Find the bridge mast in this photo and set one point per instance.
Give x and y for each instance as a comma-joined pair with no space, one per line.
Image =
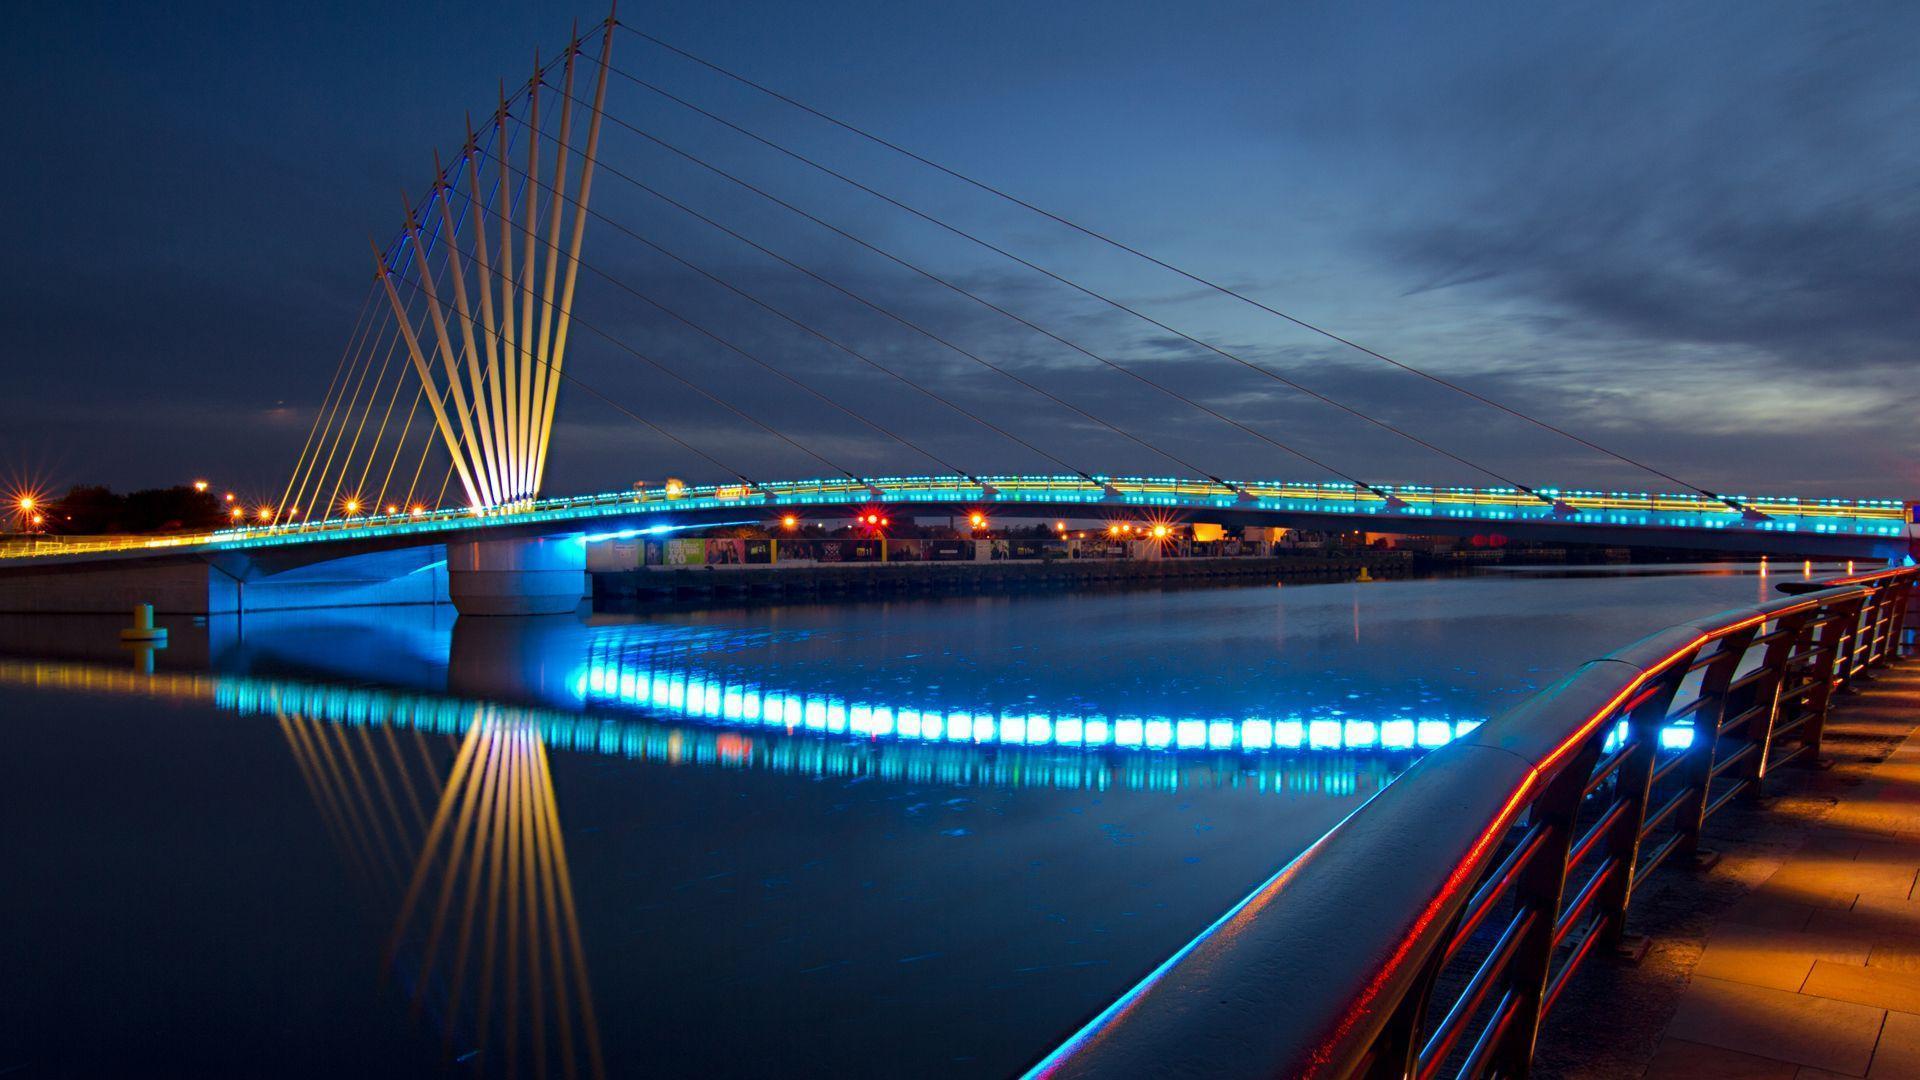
505,401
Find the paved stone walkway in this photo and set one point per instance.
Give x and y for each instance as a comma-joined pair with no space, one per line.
1798,958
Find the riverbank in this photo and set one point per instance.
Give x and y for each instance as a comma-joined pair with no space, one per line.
624,589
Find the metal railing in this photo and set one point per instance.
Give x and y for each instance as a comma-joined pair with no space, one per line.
1429,932
1875,518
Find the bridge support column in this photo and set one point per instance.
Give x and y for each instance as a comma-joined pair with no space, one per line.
545,575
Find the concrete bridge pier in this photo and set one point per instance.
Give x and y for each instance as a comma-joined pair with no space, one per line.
542,575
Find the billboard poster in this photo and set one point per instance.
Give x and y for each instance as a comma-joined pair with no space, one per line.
686,552
726,552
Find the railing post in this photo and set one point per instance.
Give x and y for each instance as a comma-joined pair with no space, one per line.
1633,783
1396,1053
1763,698
1867,645
1903,603
1540,889
1716,705
1858,643
1831,659
1890,601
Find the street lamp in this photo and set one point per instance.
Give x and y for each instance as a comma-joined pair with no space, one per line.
200,485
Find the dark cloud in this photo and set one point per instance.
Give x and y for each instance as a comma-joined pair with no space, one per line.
1686,232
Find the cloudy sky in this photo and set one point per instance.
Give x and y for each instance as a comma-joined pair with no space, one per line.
1685,231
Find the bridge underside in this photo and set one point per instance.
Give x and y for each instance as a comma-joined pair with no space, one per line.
225,584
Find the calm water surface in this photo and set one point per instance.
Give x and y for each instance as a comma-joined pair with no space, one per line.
840,839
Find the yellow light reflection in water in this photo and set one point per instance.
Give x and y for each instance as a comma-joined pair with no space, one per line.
493,860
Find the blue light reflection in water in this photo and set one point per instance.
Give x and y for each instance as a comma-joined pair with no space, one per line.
786,748
804,838
624,672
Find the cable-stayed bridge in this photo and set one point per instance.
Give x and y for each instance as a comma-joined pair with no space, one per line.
435,429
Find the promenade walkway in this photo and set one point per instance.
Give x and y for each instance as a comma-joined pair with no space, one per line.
1797,956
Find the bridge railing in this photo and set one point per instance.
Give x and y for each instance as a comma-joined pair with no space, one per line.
1430,931
1132,494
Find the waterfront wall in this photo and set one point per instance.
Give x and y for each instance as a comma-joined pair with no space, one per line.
617,589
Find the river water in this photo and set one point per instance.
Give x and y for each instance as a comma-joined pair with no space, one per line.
898,838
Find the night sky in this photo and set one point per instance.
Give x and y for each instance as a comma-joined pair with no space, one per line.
1686,231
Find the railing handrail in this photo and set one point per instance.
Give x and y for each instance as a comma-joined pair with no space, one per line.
1328,968
1869,517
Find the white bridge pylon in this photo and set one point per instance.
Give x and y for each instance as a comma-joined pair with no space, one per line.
503,404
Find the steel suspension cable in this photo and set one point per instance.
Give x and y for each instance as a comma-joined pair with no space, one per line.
682,443
345,417
297,484
1049,395
424,253
1259,369
372,396
399,446
339,367
1182,272
730,345
688,383
802,325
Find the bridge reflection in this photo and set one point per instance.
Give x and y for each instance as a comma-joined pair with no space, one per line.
485,939
441,803
800,747
677,694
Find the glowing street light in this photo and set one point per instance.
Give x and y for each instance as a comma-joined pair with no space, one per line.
789,521
266,513
977,519
1160,532
417,510
236,513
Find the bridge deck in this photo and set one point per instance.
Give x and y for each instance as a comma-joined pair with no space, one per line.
1847,526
